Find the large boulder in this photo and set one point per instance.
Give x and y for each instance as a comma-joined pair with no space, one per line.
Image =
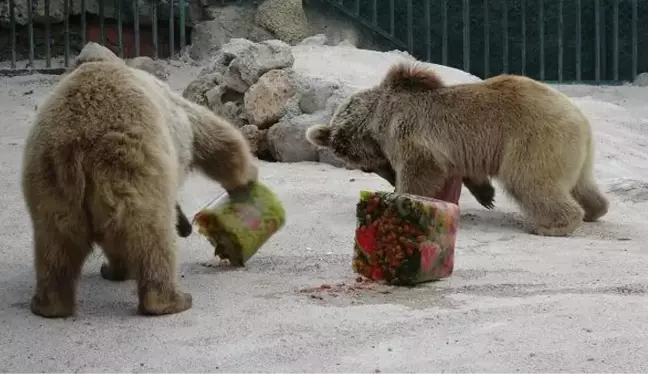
286,138
267,100
260,58
233,21
285,18
155,67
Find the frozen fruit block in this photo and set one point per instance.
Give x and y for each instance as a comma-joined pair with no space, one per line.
237,229
404,239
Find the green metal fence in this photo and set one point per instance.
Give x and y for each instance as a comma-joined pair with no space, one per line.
120,7
593,41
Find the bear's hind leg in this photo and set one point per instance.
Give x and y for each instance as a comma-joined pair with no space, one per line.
153,247
59,258
116,268
142,247
590,198
553,209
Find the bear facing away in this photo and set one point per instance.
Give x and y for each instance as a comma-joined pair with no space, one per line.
530,137
96,52
103,162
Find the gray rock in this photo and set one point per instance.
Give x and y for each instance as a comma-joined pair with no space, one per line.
196,90
258,139
319,39
285,18
266,100
641,80
234,21
206,37
260,58
326,156
316,95
225,55
238,20
211,92
155,67
287,139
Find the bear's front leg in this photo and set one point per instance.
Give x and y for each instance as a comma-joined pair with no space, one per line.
420,178
222,152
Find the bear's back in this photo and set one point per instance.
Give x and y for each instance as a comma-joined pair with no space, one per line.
96,99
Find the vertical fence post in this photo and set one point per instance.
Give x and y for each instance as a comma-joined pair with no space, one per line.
615,40
444,32
410,27
30,30
486,40
136,27
635,39
154,26
579,42
524,38
84,23
374,12
48,35
102,23
561,47
182,25
428,27
466,35
505,37
66,22
392,12
597,47
12,26
171,29
541,31
120,28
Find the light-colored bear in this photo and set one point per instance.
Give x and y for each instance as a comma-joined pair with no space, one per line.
530,137
103,163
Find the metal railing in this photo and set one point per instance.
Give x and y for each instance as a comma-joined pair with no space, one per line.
118,6
594,41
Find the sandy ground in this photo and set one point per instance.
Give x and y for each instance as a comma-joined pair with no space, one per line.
516,302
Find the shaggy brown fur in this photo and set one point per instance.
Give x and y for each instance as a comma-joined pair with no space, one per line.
103,162
96,52
529,136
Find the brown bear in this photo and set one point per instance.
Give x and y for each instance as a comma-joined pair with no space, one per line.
96,52
103,162
529,136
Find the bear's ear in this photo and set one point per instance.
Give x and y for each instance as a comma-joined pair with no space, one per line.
319,135
95,52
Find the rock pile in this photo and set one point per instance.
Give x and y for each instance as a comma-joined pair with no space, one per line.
254,86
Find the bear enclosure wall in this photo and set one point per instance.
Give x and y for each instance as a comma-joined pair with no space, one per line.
593,41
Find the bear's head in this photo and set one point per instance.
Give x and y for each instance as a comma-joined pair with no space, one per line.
350,134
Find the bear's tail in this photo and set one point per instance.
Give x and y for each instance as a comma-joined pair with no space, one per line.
586,192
